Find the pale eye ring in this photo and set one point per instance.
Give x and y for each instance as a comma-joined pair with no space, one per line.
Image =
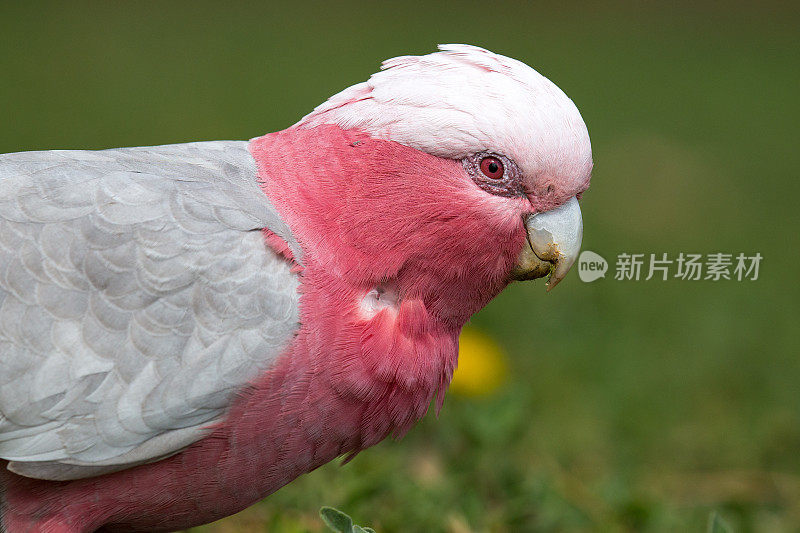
492,168
494,173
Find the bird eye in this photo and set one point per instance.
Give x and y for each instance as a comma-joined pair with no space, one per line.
492,168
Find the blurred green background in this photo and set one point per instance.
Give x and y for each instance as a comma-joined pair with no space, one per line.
628,406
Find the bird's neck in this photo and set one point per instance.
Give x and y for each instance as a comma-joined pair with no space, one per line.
399,249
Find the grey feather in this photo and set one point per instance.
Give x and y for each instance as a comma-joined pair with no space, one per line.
136,297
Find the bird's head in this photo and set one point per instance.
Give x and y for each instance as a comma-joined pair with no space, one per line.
443,177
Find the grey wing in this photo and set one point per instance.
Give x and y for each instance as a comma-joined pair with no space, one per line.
136,296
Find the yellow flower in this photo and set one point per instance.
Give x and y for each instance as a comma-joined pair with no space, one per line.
481,365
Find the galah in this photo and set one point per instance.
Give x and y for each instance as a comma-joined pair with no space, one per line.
184,329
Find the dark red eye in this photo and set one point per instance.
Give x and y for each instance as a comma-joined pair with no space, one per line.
492,168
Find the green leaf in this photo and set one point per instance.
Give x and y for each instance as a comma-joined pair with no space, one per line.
336,520
717,525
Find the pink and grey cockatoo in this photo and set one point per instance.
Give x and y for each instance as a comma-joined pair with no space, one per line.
185,329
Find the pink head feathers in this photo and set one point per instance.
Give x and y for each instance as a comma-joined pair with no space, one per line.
465,100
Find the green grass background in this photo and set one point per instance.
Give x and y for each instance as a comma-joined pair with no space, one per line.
631,406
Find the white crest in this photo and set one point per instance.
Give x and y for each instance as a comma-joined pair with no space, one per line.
463,100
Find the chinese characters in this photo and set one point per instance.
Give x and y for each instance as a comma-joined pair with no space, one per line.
687,266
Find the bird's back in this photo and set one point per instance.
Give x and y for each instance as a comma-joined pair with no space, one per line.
136,296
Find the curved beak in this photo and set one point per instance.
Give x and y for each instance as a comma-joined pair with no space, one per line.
554,240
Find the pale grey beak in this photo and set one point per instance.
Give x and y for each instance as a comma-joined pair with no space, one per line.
554,240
